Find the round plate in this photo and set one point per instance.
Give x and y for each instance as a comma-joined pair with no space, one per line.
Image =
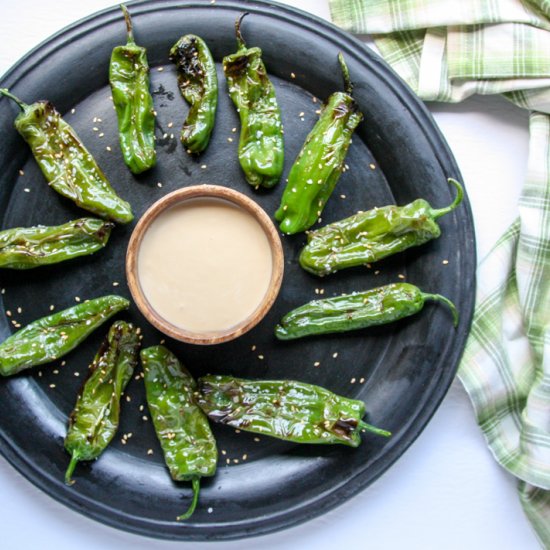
401,371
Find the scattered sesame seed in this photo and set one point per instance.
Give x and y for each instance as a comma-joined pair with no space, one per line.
445,262
253,348
237,431
401,276
77,374
257,439
145,418
377,272
21,173
233,130
8,313
170,124
155,113
164,136
115,283
230,140
260,357
361,380
342,196
245,456
372,166
302,113
210,510
108,148
171,136
316,291
292,75
335,354
52,307
73,111
56,371
101,134
316,364
52,386
77,298
19,310
236,460
27,190
95,129
149,451
159,184
228,461
3,291
352,381
203,166
224,452
160,69
123,441
128,398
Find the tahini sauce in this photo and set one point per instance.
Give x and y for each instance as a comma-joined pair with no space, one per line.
205,265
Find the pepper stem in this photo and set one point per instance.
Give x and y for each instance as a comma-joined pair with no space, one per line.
4,91
129,27
70,469
348,84
439,298
241,44
437,213
191,509
373,429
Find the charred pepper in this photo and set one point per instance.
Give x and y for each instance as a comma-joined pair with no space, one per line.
51,337
358,310
198,84
94,420
129,79
286,409
65,162
367,237
319,164
182,428
261,145
29,247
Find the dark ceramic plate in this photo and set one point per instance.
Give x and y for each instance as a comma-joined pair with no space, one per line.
401,371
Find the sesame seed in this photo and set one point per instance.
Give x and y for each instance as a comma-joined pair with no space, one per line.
159,184
160,69
108,148
95,129
230,140
302,113
27,190
77,298
123,441
401,276
73,111
292,75
101,134
170,124
52,386
149,451
377,272
52,307
361,380
236,460
21,173
342,196
352,381
77,374
210,510
228,461
203,166
335,354
155,113
260,357
257,439
115,283
245,456
224,452
145,418
316,364
253,348
445,262
372,166
233,130
8,313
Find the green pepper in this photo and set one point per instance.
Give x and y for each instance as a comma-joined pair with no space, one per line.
347,312
261,144
182,428
65,162
285,409
198,84
316,170
367,237
52,337
28,247
129,79
94,420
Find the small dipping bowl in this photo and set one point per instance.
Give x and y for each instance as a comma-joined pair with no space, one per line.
175,247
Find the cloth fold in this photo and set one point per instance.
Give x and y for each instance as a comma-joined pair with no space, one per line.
447,50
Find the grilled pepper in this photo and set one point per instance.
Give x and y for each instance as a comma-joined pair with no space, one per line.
261,145
94,420
378,306
367,237
289,410
198,84
65,162
182,428
52,337
28,247
317,168
129,79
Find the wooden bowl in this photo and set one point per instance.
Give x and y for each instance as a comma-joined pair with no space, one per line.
176,198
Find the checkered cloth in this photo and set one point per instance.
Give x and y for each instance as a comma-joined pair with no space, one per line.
447,50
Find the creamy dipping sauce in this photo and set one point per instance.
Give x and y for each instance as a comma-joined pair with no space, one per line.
204,265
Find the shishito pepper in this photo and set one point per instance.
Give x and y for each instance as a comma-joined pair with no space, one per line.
347,312
182,428
317,169
65,162
285,409
367,237
129,79
29,247
261,144
94,420
52,337
198,84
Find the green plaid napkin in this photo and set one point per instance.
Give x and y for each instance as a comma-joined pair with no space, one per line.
447,50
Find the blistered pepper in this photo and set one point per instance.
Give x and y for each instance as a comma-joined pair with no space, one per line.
67,165
52,337
316,170
182,428
261,144
198,84
94,420
129,79
285,409
29,247
358,310
367,237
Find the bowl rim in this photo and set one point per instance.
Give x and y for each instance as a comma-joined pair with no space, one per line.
180,196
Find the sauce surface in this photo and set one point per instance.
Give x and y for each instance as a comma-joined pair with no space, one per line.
204,265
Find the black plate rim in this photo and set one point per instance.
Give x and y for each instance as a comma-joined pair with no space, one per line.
351,46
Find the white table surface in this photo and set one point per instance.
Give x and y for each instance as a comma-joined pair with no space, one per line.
446,492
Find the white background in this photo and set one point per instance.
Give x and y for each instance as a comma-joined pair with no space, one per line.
446,492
